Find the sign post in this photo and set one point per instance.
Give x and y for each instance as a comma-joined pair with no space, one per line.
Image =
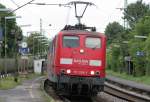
128,59
24,50
1,39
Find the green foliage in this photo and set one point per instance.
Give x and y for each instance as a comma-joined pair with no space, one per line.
35,44
139,61
114,60
8,83
141,64
147,51
143,79
136,11
113,30
2,13
138,17
108,58
143,26
13,32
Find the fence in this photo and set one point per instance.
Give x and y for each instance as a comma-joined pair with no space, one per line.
12,65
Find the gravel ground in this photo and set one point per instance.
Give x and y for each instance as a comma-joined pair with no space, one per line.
109,98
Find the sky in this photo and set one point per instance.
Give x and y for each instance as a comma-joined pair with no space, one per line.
99,16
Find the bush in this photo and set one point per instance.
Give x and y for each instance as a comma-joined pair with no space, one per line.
139,61
147,50
113,59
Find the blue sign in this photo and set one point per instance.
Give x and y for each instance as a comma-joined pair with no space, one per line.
24,50
1,34
140,53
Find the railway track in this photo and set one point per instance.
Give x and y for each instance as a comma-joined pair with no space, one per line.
51,92
126,91
58,98
111,87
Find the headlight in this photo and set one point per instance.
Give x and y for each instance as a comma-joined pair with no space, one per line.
92,72
68,71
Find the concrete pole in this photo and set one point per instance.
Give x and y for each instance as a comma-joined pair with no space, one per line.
125,7
5,45
40,34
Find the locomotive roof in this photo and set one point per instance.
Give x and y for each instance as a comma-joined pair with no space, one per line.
81,32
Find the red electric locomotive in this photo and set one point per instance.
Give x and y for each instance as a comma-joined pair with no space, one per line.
76,61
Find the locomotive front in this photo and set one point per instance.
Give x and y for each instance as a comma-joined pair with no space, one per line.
76,62
81,62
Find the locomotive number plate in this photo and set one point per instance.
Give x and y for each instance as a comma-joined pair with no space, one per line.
81,61
80,72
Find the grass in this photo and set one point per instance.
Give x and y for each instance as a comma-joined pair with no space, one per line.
9,83
143,79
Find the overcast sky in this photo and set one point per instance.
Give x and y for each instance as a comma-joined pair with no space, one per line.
105,12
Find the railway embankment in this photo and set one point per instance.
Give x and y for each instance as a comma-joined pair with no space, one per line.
128,83
138,79
126,89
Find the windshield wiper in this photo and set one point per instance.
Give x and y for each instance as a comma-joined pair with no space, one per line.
68,46
96,46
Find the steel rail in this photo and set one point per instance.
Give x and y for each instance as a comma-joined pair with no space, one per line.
124,93
117,91
46,86
130,84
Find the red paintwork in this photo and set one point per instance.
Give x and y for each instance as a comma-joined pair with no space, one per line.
76,68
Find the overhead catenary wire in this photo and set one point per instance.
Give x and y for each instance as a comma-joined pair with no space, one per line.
21,6
48,4
111,14
14,3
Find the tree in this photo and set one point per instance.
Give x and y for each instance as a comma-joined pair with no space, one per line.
147,52
136,11
138,17
115,55
113,31
37,43
142,28
13,31
137,45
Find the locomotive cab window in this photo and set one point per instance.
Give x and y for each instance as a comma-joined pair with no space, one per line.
92,42
70,41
